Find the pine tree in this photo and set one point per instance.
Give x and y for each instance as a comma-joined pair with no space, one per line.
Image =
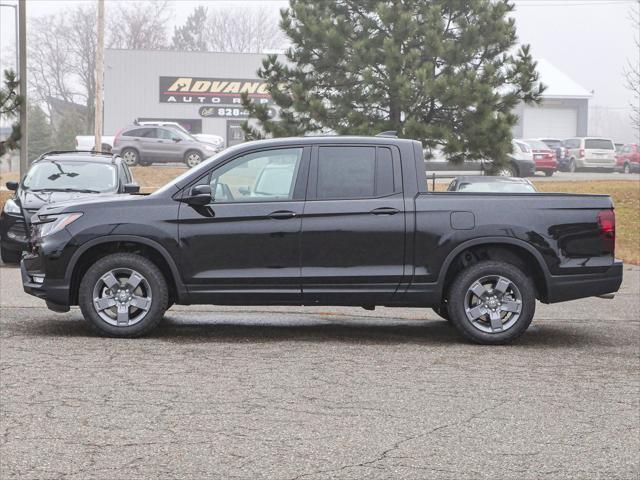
10,102
192,35
39,139
445,72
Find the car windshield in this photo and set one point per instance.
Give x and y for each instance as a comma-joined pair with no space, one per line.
496,187
72,177
553,143
598,143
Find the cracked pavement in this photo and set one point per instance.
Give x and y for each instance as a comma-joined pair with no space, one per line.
319,393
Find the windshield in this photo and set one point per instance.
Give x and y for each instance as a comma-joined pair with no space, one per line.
598,143
71,176
553,143
496,187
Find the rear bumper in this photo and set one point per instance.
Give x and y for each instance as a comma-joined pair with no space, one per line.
571,287
590,163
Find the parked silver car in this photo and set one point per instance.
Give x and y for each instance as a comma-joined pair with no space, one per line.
590,152
143,145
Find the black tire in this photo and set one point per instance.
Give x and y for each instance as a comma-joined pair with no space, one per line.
192,158
460,289
10,257
549,173
573,168
152,275
130,156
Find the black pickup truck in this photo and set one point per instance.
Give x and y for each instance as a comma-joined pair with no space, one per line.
322,221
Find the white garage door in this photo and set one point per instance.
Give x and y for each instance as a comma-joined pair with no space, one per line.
549,122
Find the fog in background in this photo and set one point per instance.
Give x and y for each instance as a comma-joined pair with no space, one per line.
589,40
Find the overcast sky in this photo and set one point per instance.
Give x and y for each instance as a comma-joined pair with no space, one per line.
590,40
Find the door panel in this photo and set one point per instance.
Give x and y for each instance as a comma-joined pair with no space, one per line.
353,248
244,247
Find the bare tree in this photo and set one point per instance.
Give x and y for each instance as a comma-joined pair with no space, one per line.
50,73
140,25
632,72
241,30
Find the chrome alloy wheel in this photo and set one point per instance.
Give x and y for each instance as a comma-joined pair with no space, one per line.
130,158
193,159
122,297
493,304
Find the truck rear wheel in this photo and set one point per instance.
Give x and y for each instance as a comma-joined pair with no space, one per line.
491,302
123,295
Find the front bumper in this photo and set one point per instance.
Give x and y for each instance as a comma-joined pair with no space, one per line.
35,282
571,287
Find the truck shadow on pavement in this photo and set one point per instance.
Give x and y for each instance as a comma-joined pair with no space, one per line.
347,331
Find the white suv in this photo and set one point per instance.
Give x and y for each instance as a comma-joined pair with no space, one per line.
590,152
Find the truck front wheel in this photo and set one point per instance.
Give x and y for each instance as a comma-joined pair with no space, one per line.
491,302
123,295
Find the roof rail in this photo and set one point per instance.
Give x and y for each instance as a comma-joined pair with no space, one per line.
58,152
388,133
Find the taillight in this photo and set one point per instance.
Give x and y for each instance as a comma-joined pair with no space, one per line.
607,226
117,137
582,153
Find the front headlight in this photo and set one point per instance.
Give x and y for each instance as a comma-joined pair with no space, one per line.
50,224
10,206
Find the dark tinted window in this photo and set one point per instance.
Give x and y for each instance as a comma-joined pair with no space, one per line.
346,172
598,143
384,173
138,132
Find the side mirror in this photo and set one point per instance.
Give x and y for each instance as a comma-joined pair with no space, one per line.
176,139
131,188
245,190
13,186
199,195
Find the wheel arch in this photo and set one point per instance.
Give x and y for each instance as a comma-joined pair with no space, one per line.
511,250
97,248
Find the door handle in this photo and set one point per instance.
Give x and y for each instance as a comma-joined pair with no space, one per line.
384,211
282,214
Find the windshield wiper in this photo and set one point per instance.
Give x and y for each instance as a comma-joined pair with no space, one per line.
78,190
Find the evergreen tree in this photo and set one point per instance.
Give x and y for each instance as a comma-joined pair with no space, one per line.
192,35
39,139
10,102
445,72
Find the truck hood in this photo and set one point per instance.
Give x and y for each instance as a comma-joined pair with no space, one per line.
33,201
94,201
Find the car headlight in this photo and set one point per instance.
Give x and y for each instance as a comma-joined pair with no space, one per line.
10,206
50,224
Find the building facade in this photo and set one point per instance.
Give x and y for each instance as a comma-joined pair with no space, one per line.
200,90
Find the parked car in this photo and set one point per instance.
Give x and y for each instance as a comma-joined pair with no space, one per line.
628,160
522,163
558,147
543,156
58,177
87,143
352,222
145,145
487,184
215,140
590,152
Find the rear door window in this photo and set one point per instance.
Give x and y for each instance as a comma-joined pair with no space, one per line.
138,132
598,143
348,172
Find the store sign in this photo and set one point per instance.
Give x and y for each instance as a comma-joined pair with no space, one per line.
211,90
227,111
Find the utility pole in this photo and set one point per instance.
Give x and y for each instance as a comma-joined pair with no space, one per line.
99,71
24,159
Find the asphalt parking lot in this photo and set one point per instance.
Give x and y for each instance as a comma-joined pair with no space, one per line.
320,393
